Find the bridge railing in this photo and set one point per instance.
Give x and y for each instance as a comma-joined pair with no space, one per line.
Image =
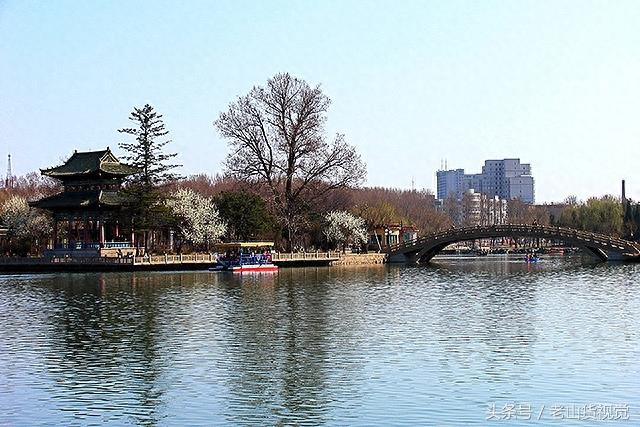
558,233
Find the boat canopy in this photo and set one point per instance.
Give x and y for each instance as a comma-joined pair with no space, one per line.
250,245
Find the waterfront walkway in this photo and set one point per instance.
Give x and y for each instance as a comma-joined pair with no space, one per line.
196,261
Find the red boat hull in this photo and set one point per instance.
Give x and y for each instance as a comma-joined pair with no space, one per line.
254,268
246,268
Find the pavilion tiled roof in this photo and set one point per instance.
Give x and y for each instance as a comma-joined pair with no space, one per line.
91,162
80,200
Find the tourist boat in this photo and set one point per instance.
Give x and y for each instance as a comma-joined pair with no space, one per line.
480,252
244,257
555,250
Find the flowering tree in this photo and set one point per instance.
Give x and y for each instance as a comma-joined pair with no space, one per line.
344,228
26,227
198,220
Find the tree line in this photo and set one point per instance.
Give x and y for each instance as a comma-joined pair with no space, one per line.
283,179
605,215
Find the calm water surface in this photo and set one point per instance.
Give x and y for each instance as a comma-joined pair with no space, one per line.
435,345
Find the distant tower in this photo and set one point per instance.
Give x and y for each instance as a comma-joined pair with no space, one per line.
8,181
624,194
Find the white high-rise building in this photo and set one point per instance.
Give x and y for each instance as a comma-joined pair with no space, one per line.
507,179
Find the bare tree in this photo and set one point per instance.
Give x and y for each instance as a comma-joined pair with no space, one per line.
452,207
381,206
277,139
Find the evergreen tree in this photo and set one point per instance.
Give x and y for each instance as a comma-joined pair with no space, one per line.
146,205
146,152
246,214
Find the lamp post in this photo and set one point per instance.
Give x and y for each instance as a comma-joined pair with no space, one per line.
386,237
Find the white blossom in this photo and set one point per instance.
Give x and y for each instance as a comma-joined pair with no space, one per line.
23,222
199,220
344,228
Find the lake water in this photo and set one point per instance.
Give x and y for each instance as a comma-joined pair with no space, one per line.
461,342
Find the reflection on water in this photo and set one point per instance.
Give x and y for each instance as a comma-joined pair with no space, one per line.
360,345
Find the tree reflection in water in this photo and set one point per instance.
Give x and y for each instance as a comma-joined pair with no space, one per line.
316,345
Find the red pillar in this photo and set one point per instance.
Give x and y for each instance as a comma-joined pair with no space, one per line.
101,233
55,233
85,231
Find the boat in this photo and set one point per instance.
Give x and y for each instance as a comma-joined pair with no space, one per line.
556,250
245,257
480,252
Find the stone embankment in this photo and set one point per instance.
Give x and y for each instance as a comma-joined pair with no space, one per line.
360,259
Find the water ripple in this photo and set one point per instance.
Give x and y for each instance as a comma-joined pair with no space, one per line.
369,346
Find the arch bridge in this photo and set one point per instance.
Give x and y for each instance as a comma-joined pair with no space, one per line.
601,246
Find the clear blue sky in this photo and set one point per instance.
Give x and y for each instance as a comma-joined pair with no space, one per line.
556,83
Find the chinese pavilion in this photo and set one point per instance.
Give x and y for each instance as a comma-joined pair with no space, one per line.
87,214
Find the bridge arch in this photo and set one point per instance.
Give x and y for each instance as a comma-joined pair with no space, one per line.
601,246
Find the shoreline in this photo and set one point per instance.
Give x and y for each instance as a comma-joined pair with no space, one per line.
199,263
40,265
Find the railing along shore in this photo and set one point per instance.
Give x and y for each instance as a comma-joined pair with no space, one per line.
197,258
66,260
176,259
292,256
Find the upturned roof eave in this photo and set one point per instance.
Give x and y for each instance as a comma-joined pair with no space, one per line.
91,162
128,170
95,199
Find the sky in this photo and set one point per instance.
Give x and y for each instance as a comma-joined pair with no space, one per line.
554,83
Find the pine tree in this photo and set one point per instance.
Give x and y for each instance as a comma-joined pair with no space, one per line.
146,152
245,214
146,204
